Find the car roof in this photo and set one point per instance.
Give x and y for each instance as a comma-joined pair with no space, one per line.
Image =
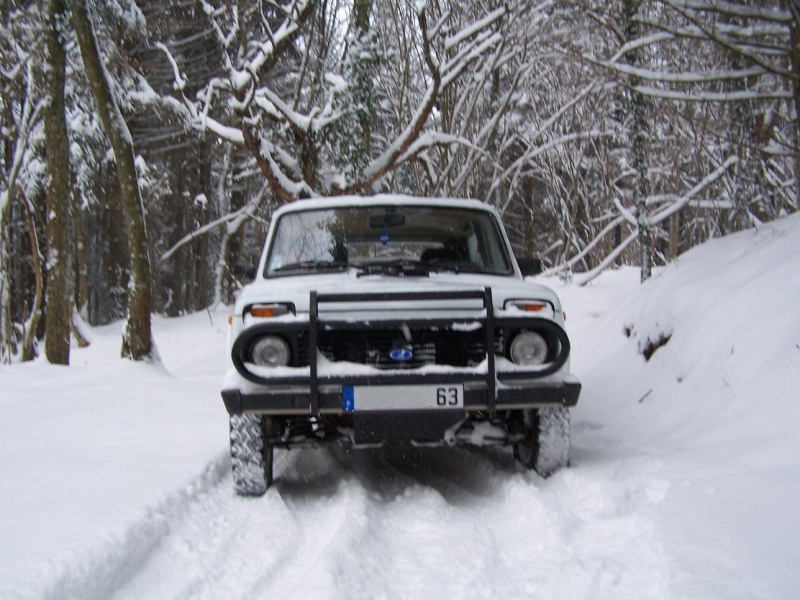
381,200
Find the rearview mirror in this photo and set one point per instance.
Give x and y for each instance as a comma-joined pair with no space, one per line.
387,220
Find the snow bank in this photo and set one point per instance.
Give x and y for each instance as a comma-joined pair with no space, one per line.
87,450
716,405
727,316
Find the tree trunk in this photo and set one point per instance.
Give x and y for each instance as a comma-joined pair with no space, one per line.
59,301
81,268
795,82
637,131
32,323
675,235
742,135
137,343
363,9
8,336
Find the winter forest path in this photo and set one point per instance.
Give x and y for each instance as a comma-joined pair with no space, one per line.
419,523
397,523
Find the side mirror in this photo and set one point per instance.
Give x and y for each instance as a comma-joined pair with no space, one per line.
530,266
247,272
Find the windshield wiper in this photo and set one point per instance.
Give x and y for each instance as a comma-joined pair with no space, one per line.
401,267
453,267
313,265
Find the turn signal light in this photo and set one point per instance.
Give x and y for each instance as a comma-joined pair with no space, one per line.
533,307
268,311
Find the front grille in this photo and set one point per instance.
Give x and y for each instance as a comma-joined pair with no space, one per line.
374,347
301,349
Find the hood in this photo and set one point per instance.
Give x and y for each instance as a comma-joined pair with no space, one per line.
297,289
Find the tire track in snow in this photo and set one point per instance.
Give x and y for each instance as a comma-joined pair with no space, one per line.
410,524
98,573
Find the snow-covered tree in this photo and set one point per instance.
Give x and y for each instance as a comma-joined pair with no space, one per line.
21,179
286,128
591,125
711,132
137,340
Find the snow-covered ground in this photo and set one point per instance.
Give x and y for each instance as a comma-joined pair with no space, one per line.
685,477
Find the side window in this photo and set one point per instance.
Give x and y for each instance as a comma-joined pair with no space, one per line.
489,248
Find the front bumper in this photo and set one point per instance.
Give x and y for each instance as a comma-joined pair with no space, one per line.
297,399
314,391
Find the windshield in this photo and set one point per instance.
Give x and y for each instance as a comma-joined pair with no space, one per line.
403,240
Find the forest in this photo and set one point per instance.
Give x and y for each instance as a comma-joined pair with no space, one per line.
145,144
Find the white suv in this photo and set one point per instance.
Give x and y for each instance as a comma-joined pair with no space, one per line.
394,319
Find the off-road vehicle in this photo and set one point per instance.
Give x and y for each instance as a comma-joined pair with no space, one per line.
394,319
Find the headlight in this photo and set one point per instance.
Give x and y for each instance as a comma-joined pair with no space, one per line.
270,351
529,348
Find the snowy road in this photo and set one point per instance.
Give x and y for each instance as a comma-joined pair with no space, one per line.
417,523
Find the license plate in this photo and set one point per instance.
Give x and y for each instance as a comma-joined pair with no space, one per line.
402,397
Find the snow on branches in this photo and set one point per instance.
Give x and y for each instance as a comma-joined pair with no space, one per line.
295,87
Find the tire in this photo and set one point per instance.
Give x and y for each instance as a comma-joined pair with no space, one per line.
251,456
545,443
